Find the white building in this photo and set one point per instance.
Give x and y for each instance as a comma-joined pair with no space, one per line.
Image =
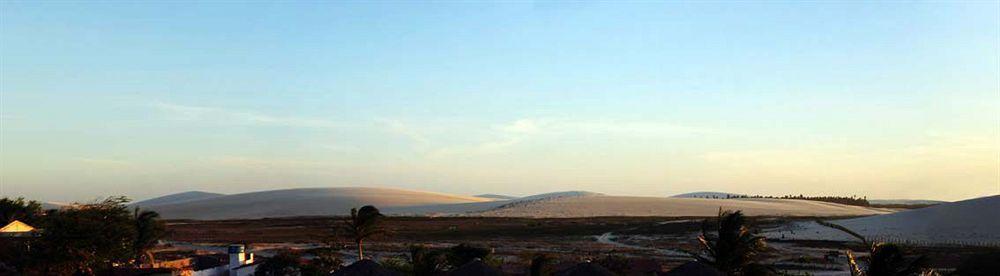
241,263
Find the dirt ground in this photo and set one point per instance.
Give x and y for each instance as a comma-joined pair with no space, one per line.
649,243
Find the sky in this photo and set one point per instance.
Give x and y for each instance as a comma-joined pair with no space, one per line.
889,100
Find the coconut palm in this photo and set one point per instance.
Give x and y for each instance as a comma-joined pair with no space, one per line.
733,247
148,229
885,259
363,224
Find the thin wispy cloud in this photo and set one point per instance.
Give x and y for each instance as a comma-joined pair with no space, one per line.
239,117
407,130
505,136
104,162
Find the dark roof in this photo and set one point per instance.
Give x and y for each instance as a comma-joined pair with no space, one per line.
202,262
585,269
694,268
475,268
364,268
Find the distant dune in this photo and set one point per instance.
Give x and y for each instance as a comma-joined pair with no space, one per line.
177,198
306,202
600,205
973,220
339,201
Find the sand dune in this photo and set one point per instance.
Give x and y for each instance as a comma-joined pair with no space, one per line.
589,206
339,201
306,202
177,198
971,221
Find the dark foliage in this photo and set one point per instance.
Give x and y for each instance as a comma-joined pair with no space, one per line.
326,261
614,262
19,209
427,261
87,239
149,230
282,264
884,259
541,265
732,247
463,253
983,264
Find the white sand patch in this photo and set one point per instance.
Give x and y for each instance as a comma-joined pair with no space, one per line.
972,222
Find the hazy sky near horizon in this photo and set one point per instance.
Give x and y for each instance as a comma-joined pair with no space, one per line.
892,100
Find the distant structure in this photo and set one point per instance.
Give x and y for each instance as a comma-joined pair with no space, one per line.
17,229
240,261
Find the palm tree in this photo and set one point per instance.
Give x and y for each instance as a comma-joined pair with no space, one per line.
885,259
734,246
363,224
148,230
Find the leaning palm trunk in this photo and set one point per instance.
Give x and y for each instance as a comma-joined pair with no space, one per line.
361,250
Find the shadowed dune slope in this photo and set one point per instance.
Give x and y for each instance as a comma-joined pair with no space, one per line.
305,202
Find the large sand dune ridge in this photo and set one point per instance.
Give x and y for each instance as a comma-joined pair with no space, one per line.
594,206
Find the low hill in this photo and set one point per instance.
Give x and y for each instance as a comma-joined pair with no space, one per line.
177,198
967,221
306,202
602,205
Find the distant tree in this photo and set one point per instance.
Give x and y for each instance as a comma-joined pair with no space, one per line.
733,247
885,259
363,224
149,230
285,263
19,209
87,239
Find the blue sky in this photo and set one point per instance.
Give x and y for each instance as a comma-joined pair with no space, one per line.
142,99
